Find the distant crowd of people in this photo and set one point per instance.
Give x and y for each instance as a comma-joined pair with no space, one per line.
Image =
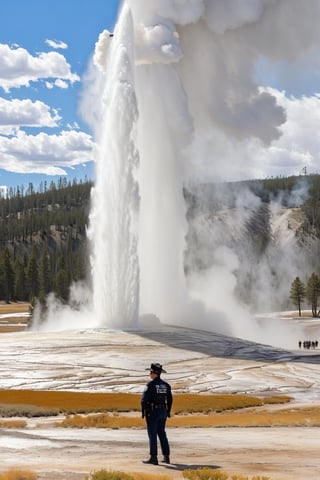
309,344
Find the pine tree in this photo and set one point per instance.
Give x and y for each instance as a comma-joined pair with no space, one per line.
6,275
297,293
313,292
19,281
61,280
33,275
44,275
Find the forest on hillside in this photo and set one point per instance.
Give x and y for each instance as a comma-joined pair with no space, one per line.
43,240
43,243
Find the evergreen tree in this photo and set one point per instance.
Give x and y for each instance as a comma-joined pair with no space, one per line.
33,275
313,292
6,275
44,275
19,281
297,293
61,280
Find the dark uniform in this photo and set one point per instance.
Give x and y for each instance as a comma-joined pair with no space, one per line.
156,406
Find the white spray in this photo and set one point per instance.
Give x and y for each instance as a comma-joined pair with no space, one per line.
115,200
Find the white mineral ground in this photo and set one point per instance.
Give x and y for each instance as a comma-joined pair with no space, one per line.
109,361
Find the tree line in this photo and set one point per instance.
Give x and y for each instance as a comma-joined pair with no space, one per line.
43,242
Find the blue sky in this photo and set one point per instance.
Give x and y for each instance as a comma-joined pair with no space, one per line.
45,49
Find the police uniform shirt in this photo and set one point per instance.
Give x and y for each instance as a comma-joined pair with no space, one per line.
157,392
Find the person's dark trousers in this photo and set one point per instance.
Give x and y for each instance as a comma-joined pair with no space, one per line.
156,423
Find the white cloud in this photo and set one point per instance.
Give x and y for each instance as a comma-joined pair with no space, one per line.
15,113
18,67
73,126
299,145
56,44
42,153
61,83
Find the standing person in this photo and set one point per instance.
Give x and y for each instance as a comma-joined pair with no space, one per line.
156,403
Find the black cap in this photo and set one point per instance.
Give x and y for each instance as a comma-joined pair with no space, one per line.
156,368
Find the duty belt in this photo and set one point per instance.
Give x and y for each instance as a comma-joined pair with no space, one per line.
157,405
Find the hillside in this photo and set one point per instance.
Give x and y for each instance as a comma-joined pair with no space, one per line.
261,235
271,227
43,240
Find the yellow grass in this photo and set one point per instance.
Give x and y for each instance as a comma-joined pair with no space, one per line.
118,475
219,403
122,410
149,476
15,474
6,308
25,401
60,401
308,417
253,418
204,473
210,474
13,423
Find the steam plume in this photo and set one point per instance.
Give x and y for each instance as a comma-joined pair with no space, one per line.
181,106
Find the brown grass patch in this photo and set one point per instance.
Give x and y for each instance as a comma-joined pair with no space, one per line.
210,474
16,323
104,474
15,474
13,328
149,476
59,401
219,403
13,423
101,420
6,308
48,402
298,417
198,474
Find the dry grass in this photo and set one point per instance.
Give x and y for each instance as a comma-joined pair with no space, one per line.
15,474
44,402
198,474
119,410
17,323
307,417
118,475
54,402
149,476
6,308
298,417
209,474
13,423
218,403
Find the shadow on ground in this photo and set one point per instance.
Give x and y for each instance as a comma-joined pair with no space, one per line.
185,466
223,346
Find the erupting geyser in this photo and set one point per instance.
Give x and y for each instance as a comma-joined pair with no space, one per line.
115,204
175,100
179,89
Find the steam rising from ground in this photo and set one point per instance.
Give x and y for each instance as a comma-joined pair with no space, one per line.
176,96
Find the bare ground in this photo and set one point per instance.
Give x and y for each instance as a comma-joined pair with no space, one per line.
196,361
279,453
